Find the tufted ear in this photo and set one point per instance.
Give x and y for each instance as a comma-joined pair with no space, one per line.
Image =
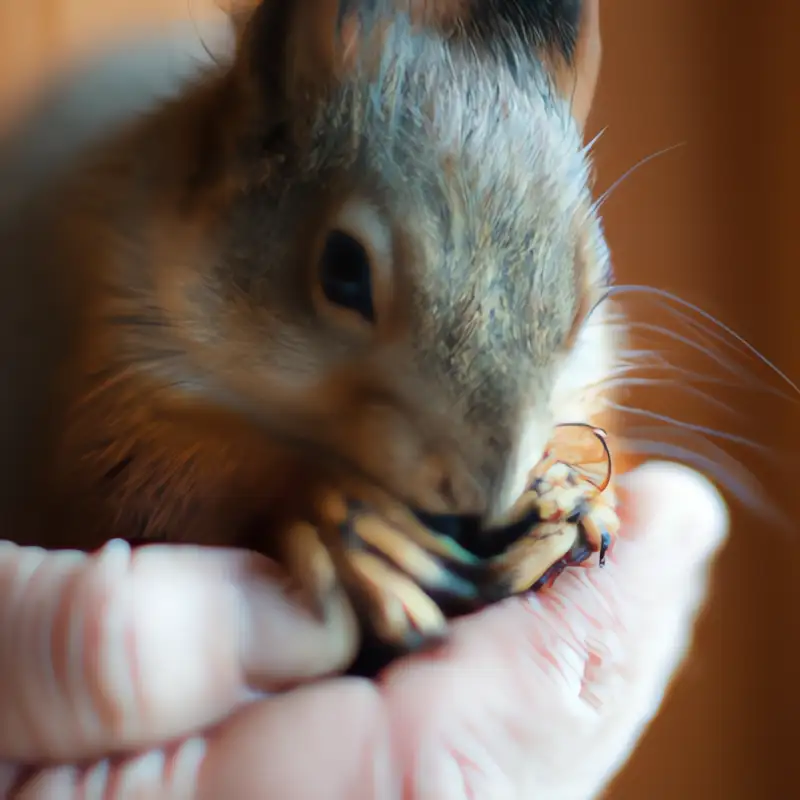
565,34
578,76
548,24
294,48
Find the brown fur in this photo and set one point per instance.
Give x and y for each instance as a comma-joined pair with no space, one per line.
185,376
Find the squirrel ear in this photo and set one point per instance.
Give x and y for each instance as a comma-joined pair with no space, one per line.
550,25
577,75
564,33
293,48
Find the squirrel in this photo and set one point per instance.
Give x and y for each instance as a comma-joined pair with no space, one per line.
360,250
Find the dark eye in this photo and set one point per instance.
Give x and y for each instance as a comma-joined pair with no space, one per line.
345,274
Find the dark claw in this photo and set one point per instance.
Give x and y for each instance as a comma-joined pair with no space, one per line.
579,553
468,586
550,575
605,543
460,590
464,588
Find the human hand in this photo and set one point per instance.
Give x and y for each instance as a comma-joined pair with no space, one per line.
541,696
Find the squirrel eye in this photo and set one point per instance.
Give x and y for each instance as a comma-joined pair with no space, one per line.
345,274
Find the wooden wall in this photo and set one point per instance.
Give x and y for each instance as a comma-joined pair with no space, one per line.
716,221
38,36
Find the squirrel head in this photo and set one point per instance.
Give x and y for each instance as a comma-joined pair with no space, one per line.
399,253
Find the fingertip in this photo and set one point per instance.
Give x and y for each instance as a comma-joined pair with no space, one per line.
674,522
327,740
671,502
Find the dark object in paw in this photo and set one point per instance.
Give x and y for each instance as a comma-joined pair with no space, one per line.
467,531
375,655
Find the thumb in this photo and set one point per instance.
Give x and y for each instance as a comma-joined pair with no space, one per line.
127,649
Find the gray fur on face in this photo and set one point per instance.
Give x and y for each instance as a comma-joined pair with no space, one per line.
477,163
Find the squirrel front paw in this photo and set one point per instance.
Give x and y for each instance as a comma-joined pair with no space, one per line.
577,521
404,579
571,493
407,574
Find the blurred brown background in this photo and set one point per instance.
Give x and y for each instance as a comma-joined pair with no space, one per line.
715,221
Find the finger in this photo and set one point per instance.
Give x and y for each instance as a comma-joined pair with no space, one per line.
345,751
328,741
544,696
125,649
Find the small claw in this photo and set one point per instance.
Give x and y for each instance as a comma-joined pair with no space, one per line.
579,554
605,545
408,556
402,613
592,527
549,577
308,562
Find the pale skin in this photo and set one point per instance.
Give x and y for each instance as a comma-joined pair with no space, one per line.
148,669
540,696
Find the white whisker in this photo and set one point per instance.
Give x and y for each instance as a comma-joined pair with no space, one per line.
627,174
624,383
688,426
750,349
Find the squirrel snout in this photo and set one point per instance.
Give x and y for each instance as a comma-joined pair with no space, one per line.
446,479
485,484
453,487
467,472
